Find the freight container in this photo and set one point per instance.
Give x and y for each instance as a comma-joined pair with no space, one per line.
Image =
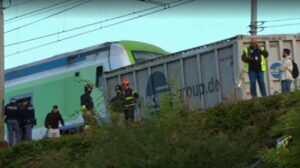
205,75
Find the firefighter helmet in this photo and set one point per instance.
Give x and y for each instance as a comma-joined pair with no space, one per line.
118,88
88,86
124,82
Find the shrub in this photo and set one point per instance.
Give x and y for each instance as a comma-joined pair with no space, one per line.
229,135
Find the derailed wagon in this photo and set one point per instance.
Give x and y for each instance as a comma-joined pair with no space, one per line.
205,75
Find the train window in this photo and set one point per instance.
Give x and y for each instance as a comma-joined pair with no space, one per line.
77,74
21,98
99,79
141,56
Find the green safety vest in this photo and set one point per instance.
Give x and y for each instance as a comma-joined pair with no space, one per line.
283,142
263,61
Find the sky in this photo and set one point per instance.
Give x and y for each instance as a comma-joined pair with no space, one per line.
193,24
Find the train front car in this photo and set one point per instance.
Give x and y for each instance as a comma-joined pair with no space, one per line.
60,80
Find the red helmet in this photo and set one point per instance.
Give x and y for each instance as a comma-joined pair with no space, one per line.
124,82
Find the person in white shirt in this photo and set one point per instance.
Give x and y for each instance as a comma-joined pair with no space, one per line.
286,71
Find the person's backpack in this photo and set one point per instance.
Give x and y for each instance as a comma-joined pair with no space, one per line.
295,71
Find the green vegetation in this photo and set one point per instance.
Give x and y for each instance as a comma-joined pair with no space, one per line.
230,135
288,125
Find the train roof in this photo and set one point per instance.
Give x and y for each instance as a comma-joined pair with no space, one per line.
76,57
268,37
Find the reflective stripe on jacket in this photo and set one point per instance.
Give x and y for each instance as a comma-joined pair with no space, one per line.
130,98
263,61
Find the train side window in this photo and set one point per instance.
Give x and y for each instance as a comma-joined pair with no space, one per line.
99,79
141,56
20,98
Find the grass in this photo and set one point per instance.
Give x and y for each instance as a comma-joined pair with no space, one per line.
230,135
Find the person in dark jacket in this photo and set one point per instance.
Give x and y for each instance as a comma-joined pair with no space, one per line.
12,119
87,106
255,63
28,120
52,122
130,99
116,104
86,99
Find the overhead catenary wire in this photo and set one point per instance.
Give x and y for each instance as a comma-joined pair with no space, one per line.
49,16
282,25
22,3
153,2
102,27
263,22
42,12
87,25
278,20
36,11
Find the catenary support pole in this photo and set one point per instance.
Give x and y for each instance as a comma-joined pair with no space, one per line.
253,24
1,74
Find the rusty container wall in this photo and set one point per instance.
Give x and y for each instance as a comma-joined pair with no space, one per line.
204,76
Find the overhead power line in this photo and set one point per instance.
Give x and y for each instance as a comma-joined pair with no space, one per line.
36,21
278,20
43,11
282,25
261,26
35,11
84,26
153,2
102,27
22,3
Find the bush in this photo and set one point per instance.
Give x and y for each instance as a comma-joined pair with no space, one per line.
229,135
288,125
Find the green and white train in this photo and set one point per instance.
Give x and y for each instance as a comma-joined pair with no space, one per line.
60,80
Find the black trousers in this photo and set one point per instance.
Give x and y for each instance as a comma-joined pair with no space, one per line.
129,114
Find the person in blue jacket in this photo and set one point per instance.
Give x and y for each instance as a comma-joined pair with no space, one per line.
28,120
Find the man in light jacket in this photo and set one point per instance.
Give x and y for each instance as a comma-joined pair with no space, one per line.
286,71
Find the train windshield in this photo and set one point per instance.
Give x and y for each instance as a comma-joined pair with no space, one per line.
141,56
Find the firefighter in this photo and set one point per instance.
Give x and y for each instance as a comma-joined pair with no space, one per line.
87,106
117,103
130,99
